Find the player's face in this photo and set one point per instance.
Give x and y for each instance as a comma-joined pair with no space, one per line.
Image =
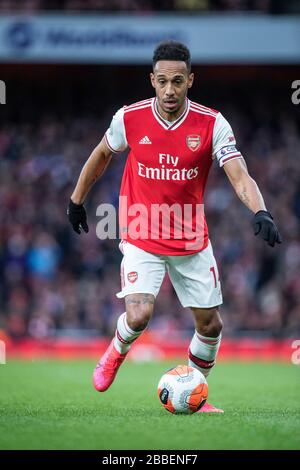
171,80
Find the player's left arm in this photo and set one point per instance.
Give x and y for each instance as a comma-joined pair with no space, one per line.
249,193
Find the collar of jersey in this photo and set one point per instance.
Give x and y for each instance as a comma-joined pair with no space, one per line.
174,124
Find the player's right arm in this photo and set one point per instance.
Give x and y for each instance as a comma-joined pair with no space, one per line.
114,141
91,171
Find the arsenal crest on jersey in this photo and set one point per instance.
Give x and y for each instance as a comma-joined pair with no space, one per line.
132,276
193,142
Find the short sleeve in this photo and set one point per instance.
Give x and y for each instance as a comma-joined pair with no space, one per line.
224,144
115,135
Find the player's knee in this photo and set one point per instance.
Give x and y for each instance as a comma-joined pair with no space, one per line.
139,311
213,328
138,318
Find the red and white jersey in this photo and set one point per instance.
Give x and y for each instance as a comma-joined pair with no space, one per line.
167,167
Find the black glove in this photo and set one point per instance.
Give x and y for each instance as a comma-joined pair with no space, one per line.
77,217
264,226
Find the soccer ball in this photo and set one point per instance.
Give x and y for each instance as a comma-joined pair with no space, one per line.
183,390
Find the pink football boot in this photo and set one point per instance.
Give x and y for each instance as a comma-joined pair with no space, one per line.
207,408
107,368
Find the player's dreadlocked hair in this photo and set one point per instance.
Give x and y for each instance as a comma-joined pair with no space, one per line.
172,50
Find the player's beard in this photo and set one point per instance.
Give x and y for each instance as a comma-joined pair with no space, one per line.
171,106
175,106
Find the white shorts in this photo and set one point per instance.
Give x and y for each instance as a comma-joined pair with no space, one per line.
195,277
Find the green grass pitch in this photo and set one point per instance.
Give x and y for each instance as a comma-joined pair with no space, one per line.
52,405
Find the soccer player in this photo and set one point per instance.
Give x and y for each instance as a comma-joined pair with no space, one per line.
173,142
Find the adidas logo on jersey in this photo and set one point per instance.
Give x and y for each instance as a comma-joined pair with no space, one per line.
145,140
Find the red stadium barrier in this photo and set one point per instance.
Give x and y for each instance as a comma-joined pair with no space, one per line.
150,346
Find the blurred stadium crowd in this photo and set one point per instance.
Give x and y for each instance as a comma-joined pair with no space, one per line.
54,282
262,6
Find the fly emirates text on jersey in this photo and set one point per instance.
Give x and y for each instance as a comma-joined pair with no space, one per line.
170,173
